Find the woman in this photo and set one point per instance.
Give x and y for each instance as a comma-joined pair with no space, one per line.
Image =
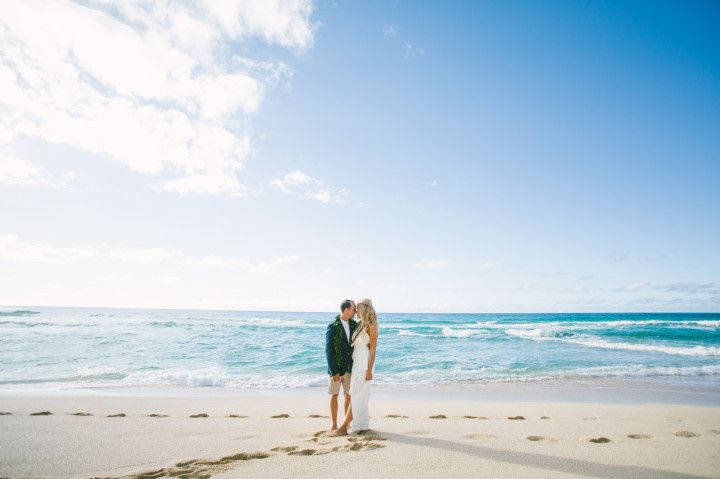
364,342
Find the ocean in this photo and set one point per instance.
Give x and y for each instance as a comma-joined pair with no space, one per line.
85,349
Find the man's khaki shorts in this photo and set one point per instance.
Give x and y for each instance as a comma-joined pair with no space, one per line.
334,387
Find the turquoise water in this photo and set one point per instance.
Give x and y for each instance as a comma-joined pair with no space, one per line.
77,348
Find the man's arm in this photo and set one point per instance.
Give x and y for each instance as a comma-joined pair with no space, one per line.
332,365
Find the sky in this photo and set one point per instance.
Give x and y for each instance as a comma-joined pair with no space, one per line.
558,156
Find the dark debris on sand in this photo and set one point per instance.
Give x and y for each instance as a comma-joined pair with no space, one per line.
599,440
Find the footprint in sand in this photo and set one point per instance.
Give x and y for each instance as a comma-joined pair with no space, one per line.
200,414
516,418
536,438
474,417
686,434
82,414
236,416
157,415
281,416
481,437
368,436
599,440
396,416
41,413
200,467
303,452
284,448
317,416
3,413
639,436
544,417
589,419
715,431
120,414
439,416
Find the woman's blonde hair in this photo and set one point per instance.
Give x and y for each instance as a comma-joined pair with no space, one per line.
367,312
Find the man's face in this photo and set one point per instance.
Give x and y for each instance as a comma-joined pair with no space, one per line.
350,312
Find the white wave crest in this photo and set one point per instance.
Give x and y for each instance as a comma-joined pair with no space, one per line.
96,371
217,377
679,350
461,333
593,342
407,332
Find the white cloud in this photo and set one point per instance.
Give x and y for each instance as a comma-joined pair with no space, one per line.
432,183
149,85
14,171
632,287
144,256
13,249
490,264
432,264
288,182
390,30
262,266
305,186
412,51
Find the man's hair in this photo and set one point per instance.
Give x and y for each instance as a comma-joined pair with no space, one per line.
347,304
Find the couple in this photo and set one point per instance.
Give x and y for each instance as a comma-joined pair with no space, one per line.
350,349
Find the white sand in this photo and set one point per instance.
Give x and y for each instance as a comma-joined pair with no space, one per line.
64,445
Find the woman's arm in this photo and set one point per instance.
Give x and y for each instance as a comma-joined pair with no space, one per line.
373,333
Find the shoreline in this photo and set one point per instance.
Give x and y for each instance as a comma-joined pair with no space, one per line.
701,391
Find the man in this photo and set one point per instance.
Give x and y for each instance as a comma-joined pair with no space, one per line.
339,356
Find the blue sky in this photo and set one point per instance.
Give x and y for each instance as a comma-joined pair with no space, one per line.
467,156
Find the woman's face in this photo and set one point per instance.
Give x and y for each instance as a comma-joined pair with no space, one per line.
359,311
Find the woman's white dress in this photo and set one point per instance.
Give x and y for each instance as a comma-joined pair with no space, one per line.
359,387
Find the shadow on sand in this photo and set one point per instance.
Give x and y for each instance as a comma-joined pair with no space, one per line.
540,461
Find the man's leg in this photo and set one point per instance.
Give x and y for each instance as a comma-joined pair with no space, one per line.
346,404
334,409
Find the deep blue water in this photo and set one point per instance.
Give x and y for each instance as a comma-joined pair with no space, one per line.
70,348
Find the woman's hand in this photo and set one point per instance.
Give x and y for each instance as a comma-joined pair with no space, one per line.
368,375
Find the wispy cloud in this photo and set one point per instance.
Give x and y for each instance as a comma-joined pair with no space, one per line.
632,287
692,288
16,250
144,256
14,171
13,249
412,51
390,30
432,264
304,186
148,85
261,266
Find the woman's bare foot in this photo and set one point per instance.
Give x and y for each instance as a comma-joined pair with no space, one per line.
342,431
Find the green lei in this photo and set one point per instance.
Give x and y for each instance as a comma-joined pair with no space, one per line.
338,339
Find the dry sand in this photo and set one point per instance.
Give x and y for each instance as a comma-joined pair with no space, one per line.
101,436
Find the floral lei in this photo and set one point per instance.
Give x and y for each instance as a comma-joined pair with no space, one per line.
337,342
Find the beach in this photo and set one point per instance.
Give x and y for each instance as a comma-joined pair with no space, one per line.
100,392
134,435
